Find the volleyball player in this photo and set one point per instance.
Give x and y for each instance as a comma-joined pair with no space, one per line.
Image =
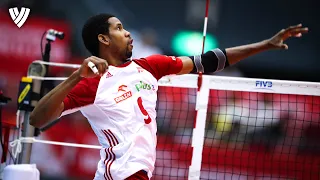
120,100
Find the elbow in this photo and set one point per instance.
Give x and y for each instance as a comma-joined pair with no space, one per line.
33,120
41,119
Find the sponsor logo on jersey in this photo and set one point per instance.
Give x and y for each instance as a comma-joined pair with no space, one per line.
123,97
109,75
144,86
140,69
123,88
127,94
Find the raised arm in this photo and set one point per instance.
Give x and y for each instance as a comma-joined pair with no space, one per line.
50,107
217,59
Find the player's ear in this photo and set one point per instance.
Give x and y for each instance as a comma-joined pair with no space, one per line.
104,39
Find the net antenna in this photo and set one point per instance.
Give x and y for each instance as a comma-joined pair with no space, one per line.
201,113
204,40
205,25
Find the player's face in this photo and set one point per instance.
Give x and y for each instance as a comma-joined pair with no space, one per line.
120,39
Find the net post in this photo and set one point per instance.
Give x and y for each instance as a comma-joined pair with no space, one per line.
27,131
26,103
199,130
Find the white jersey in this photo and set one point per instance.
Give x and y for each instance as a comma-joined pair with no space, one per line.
120,107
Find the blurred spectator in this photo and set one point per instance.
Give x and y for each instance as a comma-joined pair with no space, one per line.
240,119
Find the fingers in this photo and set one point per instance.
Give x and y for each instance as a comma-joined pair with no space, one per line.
101,65
296,30
301,31
297,35
284,34
284,46
294,27
97,65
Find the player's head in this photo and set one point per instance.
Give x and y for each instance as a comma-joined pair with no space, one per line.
105,32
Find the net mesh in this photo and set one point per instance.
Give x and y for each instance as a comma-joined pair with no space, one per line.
253,135
175,120
248,135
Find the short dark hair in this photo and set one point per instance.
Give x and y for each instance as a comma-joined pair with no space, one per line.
94,26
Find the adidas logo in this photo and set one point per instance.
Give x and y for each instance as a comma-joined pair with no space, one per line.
19,18
109,75
140,69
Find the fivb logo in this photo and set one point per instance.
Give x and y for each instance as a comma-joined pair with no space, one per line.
19,18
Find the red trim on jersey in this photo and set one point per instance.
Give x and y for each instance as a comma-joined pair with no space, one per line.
123,65
109,165
160,65
107,155
108,138
109,162
113,136
112,140
84,93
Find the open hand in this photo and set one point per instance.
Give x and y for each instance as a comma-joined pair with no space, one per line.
277,41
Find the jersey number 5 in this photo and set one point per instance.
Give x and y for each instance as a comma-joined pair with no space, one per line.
146,116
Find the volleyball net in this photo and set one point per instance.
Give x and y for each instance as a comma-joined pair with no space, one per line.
243,129
232,128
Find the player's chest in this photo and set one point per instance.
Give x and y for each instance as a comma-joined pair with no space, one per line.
119,85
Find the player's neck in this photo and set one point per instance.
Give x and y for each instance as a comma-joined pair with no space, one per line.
112,60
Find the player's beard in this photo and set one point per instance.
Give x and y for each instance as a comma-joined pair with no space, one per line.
128,53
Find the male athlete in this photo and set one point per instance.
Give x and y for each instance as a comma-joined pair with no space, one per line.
120,100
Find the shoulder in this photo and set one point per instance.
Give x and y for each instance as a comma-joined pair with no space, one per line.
160,65
158,58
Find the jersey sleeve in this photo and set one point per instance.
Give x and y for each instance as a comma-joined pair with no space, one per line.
80,96
161,65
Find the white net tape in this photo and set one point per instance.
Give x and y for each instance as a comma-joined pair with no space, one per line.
48,78
58,64
17,144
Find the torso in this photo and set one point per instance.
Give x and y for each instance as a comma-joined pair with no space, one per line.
123,116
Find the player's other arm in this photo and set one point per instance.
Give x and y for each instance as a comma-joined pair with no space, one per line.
217,59
50,107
